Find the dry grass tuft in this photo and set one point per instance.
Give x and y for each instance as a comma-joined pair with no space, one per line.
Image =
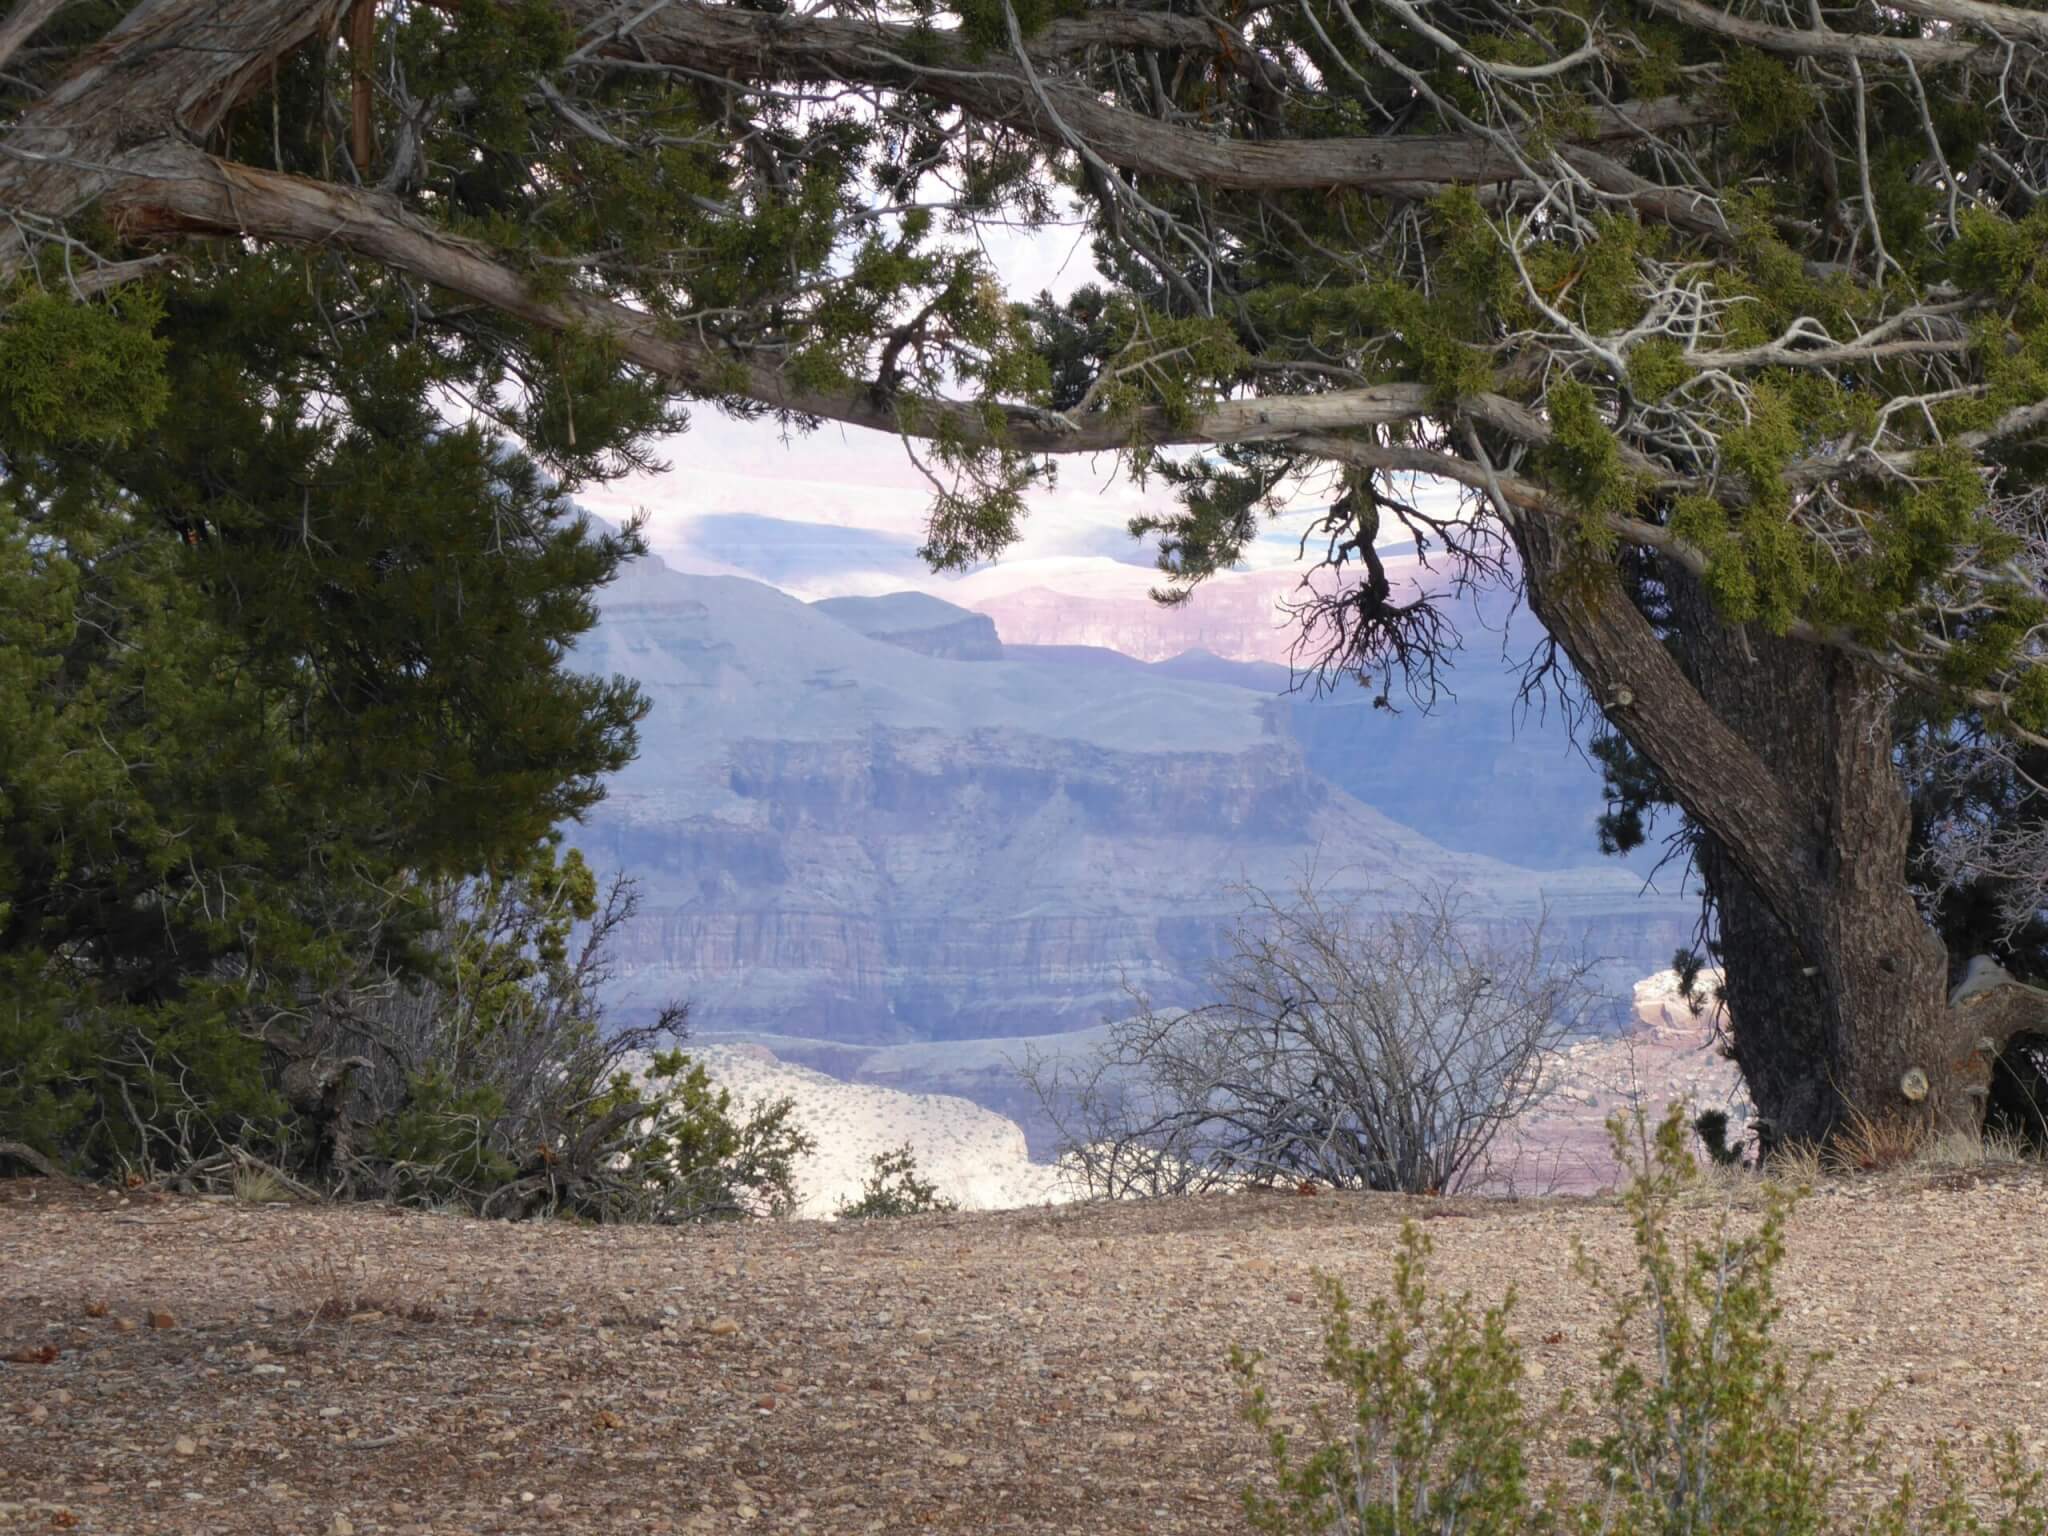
1864,1145
1796,1165
258,1186
1972,1149
1719,1183
328,1290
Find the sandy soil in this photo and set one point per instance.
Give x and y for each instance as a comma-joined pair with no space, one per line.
200,1366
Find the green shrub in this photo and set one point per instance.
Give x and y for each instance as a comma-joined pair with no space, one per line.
1709,1426
1712,1427
480,1074
498,1084
1436,1441
893,1188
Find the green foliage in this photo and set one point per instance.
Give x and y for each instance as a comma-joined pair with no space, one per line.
894,1188
1998,256
1656,367
439,1146
1583,460
1711,1126
1767,100
1721,1430
986,22
490,52
494,1084
1634,793
85,372
279,650
1221,498
1710,1427
705,1156
1435,1441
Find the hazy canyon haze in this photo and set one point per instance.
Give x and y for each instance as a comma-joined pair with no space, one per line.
897,822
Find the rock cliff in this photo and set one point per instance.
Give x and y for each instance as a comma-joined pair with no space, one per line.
919,623
857,836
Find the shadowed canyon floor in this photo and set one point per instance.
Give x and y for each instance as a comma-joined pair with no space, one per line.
191,1366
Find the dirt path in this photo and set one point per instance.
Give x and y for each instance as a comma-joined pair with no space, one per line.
1043,1371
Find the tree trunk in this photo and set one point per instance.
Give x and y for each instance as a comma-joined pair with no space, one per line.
1834,1011
1782,752
1766,975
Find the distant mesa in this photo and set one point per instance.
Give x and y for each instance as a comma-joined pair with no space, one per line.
976,1157
919,622
846,830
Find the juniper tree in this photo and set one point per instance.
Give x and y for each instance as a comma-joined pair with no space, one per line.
1729,323
278,647
283,644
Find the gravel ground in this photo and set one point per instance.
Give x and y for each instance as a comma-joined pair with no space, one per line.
181,1365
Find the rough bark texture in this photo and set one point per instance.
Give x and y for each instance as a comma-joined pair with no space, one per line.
171,70
1837,989
997,89
1767,976
1834,1009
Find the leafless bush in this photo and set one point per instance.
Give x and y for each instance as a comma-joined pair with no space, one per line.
1382,1053
498,1016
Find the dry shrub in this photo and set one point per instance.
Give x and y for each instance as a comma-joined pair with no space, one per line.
1796,1165
1865,1145
324,1289
1348,1047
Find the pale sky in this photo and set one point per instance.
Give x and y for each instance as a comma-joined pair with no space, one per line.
867,502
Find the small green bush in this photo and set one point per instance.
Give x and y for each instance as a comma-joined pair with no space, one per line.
894,1188
1710,1427
1437,1440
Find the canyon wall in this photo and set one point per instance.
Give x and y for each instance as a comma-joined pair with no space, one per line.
871,821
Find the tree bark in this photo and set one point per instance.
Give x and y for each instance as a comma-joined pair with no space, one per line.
170,69
1809,997
1766,975
22,1152
1837,989
22,23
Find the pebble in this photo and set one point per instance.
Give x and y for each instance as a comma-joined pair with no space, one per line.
721,1326
185,1445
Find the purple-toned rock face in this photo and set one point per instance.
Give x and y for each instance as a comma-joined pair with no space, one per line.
844,833
1666,1053
919,623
